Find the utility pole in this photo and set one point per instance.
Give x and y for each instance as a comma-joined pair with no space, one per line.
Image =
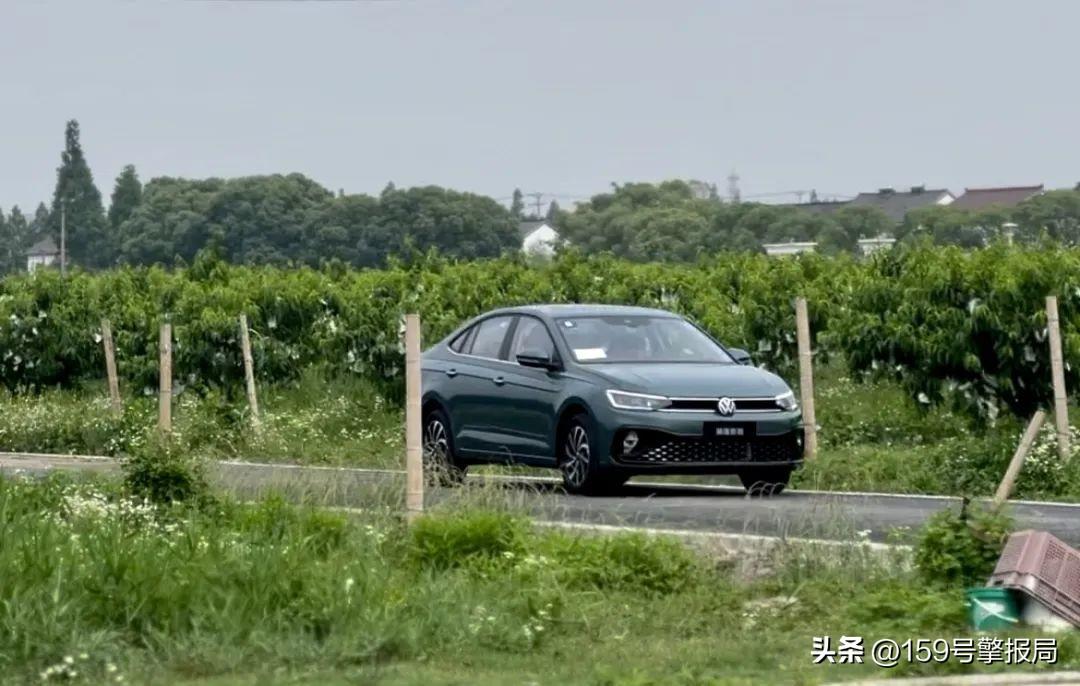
538,201
733,187
63,237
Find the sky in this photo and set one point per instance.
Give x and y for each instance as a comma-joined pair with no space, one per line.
550,96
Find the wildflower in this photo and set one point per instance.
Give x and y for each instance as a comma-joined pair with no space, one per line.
349,583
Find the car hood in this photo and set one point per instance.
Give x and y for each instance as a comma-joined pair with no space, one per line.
691,380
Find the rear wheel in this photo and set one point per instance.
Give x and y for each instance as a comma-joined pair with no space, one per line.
578,461
441,467
765,481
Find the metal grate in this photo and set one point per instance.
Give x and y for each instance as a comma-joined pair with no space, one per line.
702,451
1043,567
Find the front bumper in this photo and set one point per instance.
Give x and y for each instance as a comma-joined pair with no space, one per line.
689,442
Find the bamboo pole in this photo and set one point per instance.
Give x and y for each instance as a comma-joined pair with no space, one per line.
414,461
1057,371
1009,480
110,366
165,379
249,373
806,377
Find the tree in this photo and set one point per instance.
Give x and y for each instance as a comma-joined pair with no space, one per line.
1054,213
126,196
39,225
16,239
553,212
517,205
80,199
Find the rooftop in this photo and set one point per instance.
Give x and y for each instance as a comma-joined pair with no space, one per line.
527,227
45,246
896,204
1004,196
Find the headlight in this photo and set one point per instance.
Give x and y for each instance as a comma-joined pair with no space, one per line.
636,401
787,401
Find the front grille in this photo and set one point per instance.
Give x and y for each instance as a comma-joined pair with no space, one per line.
709,404
683,450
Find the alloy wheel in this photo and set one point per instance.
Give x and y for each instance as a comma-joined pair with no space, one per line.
436,447
575,464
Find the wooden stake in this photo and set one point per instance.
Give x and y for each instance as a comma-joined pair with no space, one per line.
165,379
414,460
1057,371
249,372
110,366
806,377
1005,488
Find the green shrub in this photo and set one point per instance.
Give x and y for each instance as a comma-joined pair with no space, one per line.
162,472
627,562
960,548
445,541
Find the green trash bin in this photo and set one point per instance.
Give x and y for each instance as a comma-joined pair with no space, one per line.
992,608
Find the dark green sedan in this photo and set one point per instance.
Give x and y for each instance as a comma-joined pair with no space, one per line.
603,393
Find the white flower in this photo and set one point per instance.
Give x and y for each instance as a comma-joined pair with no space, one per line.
349,583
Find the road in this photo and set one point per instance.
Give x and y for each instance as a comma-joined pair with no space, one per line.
804,514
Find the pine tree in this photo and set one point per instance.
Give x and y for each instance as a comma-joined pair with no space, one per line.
126,196
16,241
553,212
87,242
517,205
7,245
39,225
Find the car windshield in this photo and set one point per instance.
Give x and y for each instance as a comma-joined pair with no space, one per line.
639,339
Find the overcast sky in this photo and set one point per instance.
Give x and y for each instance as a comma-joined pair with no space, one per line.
550,96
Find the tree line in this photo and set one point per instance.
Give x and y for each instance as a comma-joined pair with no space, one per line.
291,219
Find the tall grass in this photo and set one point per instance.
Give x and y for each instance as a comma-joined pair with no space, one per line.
99,586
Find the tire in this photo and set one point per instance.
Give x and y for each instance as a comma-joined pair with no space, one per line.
441,466
765,481
578,460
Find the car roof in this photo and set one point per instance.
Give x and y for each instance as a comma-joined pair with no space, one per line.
583,310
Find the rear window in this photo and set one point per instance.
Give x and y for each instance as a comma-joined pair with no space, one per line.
460,344
490,333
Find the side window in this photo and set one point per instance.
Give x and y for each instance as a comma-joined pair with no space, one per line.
489,337
531,334
460,344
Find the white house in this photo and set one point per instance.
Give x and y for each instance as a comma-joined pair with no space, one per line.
538,238
792,248
872,245
44,253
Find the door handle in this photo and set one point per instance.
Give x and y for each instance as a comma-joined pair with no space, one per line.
451,373
498,381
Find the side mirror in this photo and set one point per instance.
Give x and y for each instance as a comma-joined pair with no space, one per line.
537,359
740,356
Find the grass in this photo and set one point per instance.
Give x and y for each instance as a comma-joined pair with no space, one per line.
103,586
872,438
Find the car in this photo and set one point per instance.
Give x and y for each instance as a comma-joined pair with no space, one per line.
603,393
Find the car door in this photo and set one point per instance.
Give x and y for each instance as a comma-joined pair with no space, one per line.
479,377
525,417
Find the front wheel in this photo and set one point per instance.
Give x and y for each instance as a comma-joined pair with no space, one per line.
441,467
578,463
765,481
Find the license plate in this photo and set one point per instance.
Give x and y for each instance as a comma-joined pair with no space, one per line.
729,430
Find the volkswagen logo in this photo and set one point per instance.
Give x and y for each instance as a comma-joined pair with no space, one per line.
726,407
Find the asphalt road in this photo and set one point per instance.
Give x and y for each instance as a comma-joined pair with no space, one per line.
804,514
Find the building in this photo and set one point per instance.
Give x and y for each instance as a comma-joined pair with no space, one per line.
975,199
791,248
869,246
538,238
896,204
44,253
818,206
